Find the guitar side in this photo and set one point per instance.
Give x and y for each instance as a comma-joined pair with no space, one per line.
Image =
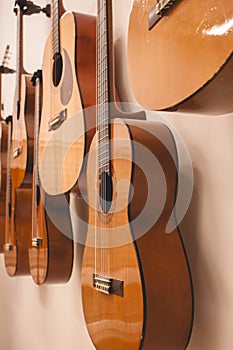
167,283
3,164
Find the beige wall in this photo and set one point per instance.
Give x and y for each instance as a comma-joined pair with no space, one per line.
50,317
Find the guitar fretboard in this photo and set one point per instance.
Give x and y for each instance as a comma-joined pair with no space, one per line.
55,26
36,128
19,51
8,194
103,93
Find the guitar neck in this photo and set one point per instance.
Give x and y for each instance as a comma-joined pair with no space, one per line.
19,52
8,182
57,11
36,80
105,90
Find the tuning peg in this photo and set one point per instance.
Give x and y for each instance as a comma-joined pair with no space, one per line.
36,75
6,58
28,7
47,10
6,70
8,119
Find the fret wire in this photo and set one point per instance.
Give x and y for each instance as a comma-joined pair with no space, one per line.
102,88
37,114
55,27
18,71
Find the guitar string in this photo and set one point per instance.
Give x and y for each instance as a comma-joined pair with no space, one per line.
8,202
55,50
35,231
103,130
101,98
18,80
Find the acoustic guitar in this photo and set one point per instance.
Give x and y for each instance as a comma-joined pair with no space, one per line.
4,69
136,283
23,114
19,183
180,55
50,250
68,87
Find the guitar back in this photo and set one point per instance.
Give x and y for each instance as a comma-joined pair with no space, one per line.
185,59
135,278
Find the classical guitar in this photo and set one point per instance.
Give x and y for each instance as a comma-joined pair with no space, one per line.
23,114
50,250
4,69
180,54
68,87
19,192
136,283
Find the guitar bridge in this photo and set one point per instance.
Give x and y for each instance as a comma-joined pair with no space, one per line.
107,285
37,242
159,10
17,151
56,122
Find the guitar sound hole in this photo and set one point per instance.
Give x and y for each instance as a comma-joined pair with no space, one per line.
105,192
57,68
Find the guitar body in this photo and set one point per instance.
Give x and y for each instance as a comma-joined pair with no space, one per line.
22,136
149,304
3,164
61,149
185,59
18,223
52,261
19,227
50,243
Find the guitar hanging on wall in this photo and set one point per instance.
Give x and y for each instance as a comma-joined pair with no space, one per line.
50,251
20,160
136,288
4,69
69,58
180,55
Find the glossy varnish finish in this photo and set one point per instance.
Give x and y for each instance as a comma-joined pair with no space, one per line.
155,311
17,233
51,260
61,151
167,284
18,222
22,136
112,321
185,60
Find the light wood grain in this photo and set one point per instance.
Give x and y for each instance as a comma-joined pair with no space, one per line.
186,49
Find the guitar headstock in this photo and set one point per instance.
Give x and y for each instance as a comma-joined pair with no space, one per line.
5,61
